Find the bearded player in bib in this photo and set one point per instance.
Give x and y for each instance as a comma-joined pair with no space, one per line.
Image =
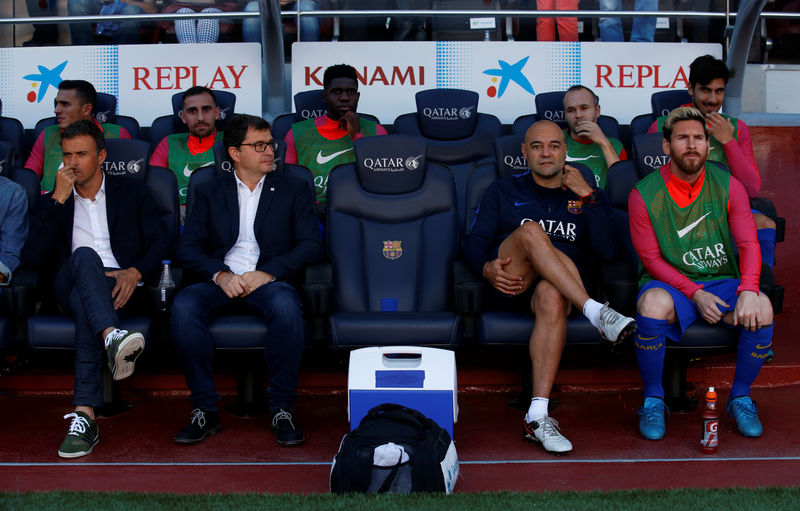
686,221
729,139
322,143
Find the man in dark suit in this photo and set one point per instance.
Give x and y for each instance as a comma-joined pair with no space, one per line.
105,237
247,233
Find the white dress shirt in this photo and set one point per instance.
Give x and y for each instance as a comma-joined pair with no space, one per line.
243,256
90,226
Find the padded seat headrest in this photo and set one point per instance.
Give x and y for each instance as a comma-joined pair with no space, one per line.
447,114
390,164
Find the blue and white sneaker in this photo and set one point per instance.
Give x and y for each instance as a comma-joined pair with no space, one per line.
652,424
744,412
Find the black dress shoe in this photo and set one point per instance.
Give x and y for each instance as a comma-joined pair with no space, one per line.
203,423
286,431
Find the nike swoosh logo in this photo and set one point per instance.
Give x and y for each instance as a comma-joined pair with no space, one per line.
570,158
760,347
322,160
683,232
518,203
186,171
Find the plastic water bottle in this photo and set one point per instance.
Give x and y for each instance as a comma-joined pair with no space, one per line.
710,442
164,284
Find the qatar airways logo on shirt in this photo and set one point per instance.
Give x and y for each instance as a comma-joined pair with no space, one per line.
448,114
706,258
392,164
120,168
556,229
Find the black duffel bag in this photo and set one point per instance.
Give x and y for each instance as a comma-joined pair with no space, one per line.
431,464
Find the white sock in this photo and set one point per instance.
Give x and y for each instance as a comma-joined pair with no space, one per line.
537,409
591,309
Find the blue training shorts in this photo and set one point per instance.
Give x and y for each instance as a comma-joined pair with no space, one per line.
686,310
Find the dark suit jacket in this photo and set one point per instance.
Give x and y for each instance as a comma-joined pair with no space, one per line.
285,226
139,239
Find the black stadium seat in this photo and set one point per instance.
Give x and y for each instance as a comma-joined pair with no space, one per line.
127,157
392,235
666,101
457,134
12,131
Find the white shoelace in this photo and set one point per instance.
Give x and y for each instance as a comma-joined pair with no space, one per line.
283,414
78,424
550,427
199,416
115,335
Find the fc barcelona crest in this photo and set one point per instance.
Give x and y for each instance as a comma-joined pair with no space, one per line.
392,249
575,207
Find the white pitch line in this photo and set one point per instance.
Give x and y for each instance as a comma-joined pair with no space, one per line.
327,463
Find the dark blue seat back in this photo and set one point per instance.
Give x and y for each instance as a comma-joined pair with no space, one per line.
550,106
608,125
392,228
6,158
12,131
640,124
508,156
649,153
163,187
28,180
666,101
127,157
457,135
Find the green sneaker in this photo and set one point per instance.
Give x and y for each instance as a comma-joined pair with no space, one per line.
123,348
81,437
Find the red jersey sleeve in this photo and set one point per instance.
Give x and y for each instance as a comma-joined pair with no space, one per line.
741,161
291,149
123,133
35,161
160,157
743,228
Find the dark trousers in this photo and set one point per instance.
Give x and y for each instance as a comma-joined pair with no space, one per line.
84,292
277,303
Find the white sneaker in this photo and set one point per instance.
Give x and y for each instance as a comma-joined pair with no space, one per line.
544,430
613,326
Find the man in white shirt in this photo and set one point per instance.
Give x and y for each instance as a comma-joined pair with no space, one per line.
246,234
104,236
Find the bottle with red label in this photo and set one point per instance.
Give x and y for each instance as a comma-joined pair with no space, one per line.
710,442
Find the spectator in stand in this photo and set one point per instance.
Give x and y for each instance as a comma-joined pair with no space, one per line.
687,219
103,237
327,141
529,239
586,142
308,30
729,139
249,232
76,100
183,153
204,30
119,32
644,27
13,227
45,34
546,26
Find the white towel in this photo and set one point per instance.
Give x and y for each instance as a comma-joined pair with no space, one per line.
389,455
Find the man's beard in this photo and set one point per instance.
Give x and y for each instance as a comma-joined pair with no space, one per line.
690,167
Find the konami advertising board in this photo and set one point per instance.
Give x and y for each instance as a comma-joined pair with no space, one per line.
142,77
507,75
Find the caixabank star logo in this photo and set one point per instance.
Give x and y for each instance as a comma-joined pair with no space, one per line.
43,81
506,74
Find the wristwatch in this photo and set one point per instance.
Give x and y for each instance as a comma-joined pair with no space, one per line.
592,197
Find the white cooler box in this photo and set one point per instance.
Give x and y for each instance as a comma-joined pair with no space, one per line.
420,378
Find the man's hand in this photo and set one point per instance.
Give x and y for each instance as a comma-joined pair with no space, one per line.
351,122
707,305
65,180
747,311
720,127
231,284
125,286
255,279
590,130
507,283
572,179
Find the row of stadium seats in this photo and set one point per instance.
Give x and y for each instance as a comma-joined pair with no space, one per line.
393,238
